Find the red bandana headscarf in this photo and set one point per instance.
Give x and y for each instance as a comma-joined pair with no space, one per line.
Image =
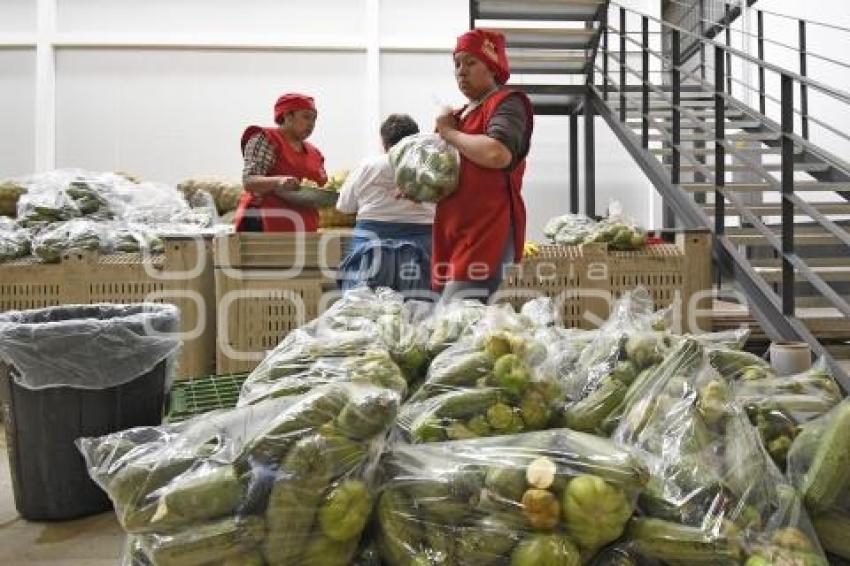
489,47
290,102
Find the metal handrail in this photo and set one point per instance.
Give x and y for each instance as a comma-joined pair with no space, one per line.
808,21
826,89
793,48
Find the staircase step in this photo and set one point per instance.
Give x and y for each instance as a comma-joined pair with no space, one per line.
828,208
757,136
798,166
803,236
766,188
538,10
694,125
663,151
572,38
552,104
811,262
834,274
550,62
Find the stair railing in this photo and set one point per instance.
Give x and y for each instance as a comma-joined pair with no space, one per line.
776,312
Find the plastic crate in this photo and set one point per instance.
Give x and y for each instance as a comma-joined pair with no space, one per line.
583,280
182,275
203,394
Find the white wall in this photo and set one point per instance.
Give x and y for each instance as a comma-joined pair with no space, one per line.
163,88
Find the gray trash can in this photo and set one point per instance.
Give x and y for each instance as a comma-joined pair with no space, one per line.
73,371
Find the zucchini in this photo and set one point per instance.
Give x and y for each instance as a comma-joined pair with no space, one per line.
833,530
828,477
669,541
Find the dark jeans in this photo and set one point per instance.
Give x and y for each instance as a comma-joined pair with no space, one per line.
388,254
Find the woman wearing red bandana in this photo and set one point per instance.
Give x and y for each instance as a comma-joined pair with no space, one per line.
275,161
480,229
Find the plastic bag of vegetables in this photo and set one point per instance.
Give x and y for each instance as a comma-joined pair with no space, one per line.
625,350
451,321
818,465
779,405
714,495
49,244
569,229
362,338
426,168
14,241
286,481
551,497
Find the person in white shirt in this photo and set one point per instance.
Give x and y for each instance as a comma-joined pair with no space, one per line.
401,228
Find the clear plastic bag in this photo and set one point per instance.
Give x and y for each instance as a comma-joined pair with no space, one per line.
225,193
625,350
779,405
551,497
495,381
63,194
714,495
425,167
285,481
14,241
361,338
450,322
618,230
569,229
87,346
74,235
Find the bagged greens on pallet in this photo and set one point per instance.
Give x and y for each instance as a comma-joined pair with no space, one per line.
425,168
714,495
569,229
551,497
283,482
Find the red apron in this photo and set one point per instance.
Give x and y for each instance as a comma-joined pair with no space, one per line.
471,225
309,165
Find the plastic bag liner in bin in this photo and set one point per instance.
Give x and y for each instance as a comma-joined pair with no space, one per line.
73,372
87,346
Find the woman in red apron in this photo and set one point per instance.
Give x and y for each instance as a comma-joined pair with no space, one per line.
480,229
276,159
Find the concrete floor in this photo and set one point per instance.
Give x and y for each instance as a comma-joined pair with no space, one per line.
95,541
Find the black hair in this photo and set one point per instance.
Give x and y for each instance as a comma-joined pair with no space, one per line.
396,127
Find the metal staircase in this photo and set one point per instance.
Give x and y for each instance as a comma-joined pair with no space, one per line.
750,175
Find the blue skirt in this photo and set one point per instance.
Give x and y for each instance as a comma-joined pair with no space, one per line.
388,254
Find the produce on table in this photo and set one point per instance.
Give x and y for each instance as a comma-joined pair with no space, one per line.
281,482
615,230
50,244
426,168
225,193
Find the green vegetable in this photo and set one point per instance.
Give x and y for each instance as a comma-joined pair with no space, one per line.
828,477
833,530
294,500
732,364
325,551
206,543
205,495
459,370
668,541
486,541
479,426
511,374
595,512
535,411
713,397
343,514
366,416
588,414
500,416
546,550
400,534
507,483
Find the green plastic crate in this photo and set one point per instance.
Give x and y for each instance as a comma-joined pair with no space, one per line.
203,394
